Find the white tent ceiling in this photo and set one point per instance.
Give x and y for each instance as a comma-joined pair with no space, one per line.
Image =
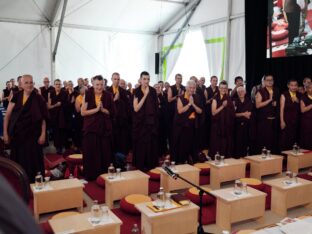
146,16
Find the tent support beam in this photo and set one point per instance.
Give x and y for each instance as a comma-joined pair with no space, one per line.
228,38
193,9
19,21
172,1
55,13
59,30
172,21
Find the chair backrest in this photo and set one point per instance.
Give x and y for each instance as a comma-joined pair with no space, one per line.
16,176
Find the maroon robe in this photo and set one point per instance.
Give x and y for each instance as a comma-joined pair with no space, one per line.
163,123
184,142
201,133
121,126
210,95
306,125
6,93
25,124
267,123
58,120
222,126
145,131
243,128
45,92
98,136
289,135
173,107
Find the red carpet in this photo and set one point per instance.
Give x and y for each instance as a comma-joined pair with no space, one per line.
52,160
128,221
95,192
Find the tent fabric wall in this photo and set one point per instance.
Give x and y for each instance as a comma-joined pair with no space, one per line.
171,59
237,63
25,49
85,53
215,41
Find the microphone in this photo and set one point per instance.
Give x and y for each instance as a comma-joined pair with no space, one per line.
170,172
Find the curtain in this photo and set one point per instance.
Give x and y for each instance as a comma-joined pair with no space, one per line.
215,41
171,59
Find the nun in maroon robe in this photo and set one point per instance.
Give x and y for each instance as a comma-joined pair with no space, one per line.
306,119
24,128
98,111
185,125
121,126
222,124
57,104
243,123
289,116
267,102
145,125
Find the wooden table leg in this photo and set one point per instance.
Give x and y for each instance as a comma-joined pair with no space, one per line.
278,202
223,218
108,198
214,179
255,171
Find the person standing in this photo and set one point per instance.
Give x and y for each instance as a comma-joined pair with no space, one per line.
25,128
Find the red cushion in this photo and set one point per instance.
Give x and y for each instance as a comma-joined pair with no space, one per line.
204,179
100,181
193,195
75,159
305,176
153,186
209,214
127,204
154,174
279,34
204,168
254,183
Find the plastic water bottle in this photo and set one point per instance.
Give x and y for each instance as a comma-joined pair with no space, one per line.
71,176
96,213
135,229
161,199
39,181
111,171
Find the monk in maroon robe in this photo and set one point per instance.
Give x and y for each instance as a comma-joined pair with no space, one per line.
186,121
239,82
145,125
121,127
46,89
174,92
267,101
222,124
78,119
306,119
211,92
243,123
98,110
6,94
289,116
25,128
57,100
163,120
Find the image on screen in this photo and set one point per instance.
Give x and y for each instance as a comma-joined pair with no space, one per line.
289,30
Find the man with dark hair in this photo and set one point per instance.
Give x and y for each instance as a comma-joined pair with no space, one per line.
289,115
25,128
145,125
222,124
98,111
239,82
6,94
267,100
14,88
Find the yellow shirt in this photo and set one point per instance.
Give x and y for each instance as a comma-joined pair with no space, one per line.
24,99
98,99
221,96
79,99
192,115
309,96
270,90
115,90
292,94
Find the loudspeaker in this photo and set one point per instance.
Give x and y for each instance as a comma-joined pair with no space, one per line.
156,63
